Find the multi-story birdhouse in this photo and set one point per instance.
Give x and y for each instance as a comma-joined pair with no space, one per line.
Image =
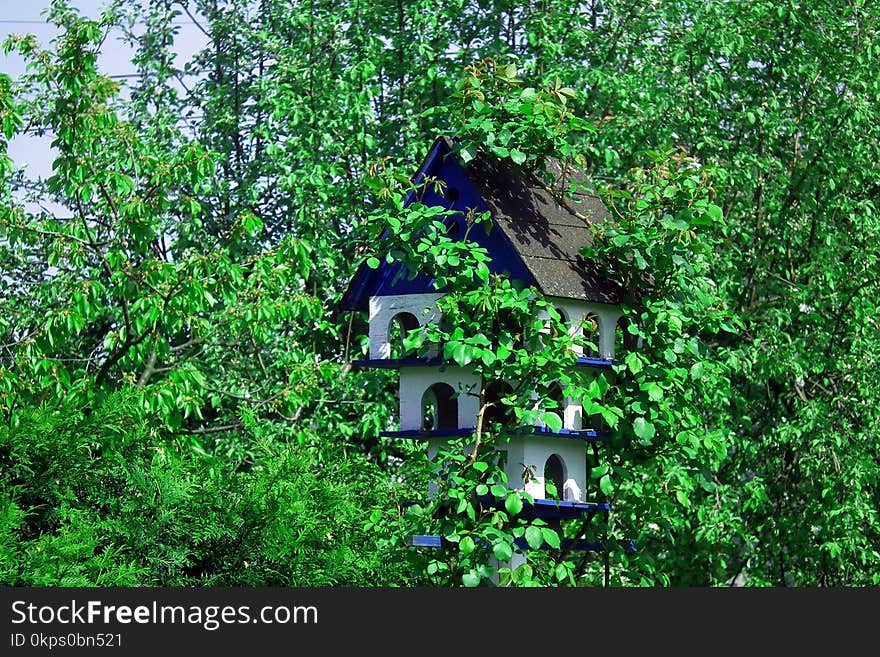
535,234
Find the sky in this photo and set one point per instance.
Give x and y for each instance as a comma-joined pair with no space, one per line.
26,17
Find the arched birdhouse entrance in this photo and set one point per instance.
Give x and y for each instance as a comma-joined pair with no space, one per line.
496,409
507,325
398,328
439,408
555,401
624,340
554,478
591,335
553,328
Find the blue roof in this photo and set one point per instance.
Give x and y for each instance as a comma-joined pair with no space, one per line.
395,278
533,238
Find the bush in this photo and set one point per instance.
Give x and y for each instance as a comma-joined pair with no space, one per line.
102,498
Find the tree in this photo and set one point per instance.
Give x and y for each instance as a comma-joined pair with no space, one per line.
193,242
781,99
121,301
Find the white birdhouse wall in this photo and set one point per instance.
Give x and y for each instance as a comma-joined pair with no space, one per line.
420,308
451,393
527,458
415,382
576,314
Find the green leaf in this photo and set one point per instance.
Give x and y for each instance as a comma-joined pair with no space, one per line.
517,156
643,429
714,213
373,262
498,490
606,485
502,551
633,362
534,537
471,579
251,223
467,545
697,371
551,537
513,504
552,420
462,353
561,572
468,153
655,392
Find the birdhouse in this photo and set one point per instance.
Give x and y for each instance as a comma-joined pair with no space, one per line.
534,237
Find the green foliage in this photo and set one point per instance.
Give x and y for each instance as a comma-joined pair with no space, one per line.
190,247
103,499
793,130
673,375
492,112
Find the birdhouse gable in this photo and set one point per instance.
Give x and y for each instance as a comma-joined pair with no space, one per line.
534,234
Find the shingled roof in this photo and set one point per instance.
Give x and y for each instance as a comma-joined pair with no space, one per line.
545,222
539,222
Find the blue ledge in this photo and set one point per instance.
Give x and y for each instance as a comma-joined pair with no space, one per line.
396,363
414,540
580,545
543,509
560,509
595,362
551,509
588,435
424,541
